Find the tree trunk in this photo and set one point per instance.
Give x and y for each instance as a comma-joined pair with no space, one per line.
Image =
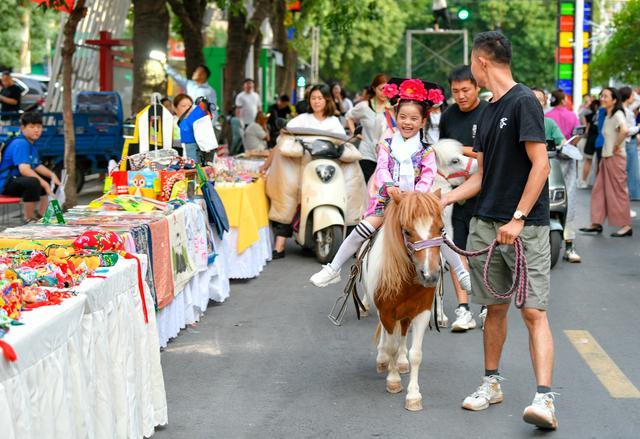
285,75
241,34
150,32
68,49
25,43
190,14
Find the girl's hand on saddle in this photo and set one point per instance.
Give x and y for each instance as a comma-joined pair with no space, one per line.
508,233
393,191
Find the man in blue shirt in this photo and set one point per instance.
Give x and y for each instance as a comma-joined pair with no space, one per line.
21,172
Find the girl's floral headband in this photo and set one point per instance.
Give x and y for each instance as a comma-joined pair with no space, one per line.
413,90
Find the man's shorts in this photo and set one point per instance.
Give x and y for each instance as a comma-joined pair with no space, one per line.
28,188
537,250
460,219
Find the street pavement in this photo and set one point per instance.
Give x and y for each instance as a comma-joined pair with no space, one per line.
268,363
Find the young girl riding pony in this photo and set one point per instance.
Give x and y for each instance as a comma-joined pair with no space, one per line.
405,163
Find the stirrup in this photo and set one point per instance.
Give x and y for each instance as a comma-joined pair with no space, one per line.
336,317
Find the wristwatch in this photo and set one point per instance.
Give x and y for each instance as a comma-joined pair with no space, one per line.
519,216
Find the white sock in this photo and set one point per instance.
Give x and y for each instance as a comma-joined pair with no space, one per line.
454,261
350,246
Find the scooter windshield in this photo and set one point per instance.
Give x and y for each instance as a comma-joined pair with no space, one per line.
325,149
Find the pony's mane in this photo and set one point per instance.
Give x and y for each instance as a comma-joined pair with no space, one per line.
396,268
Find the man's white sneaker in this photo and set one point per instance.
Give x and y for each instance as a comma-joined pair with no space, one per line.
326,276
542,412
488,393
483,316
465,281
464,320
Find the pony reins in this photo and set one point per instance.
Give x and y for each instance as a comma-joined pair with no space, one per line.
520,286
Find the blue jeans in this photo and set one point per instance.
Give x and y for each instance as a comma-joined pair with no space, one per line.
633,170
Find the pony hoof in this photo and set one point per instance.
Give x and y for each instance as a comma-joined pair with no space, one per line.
403,368
413,405
382,367
394,386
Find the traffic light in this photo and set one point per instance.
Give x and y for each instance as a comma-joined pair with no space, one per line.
463,14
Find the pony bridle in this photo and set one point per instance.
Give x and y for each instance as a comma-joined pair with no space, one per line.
413,247
464,174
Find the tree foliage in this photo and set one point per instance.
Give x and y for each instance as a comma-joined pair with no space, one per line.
360,39
41,19
619,59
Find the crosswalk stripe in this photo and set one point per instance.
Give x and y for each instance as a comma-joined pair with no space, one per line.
609,374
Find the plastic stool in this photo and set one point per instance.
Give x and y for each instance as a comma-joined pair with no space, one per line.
5,203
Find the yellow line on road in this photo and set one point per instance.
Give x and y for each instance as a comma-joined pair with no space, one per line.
609,374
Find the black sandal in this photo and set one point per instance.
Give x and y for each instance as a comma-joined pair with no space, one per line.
592,229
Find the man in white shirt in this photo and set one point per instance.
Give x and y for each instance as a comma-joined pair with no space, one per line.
440,12
198,85
247,103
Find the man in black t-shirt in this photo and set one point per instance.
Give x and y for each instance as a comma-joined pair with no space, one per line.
460,122
280,110
512,203
10,96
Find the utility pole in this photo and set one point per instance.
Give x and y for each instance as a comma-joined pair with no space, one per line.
578,51
315,54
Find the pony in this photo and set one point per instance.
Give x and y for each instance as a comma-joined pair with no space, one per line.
402,283
454,168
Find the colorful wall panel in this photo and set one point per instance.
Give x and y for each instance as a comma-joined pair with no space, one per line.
565,50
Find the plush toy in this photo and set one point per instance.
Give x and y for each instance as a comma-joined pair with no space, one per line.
100,240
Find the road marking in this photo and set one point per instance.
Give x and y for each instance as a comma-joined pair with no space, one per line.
609,374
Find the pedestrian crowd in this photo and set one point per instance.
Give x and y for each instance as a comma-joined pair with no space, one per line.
507,198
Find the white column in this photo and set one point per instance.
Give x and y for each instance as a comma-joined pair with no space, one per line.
577,55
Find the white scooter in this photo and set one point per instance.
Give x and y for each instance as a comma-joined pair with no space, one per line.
323,201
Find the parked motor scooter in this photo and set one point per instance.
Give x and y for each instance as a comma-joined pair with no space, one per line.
557,202
323,202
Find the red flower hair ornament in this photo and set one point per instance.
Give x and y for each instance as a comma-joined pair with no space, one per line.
413,90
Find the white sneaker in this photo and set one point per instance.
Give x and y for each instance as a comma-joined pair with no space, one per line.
483,315
465,281
633,213
542,412
488,393
572,256
464,321
326,276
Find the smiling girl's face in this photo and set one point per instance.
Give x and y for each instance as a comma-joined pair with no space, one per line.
410,119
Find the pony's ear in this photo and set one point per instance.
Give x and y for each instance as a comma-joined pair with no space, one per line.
397,196
438,193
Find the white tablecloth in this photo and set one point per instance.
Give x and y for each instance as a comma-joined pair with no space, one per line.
248,264
190,304
89,368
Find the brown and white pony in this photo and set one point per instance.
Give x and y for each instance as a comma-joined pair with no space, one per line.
402,284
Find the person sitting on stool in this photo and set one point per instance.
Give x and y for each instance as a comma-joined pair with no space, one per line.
21,172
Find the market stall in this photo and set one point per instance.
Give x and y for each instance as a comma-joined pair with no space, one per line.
248,247
86,363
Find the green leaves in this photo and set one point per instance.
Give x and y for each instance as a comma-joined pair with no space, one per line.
619,58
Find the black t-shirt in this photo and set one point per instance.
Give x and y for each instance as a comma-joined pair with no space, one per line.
503,130
459,125
12,92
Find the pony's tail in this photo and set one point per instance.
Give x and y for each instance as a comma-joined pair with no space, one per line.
376,336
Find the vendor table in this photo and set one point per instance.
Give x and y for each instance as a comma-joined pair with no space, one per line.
89,367
249,243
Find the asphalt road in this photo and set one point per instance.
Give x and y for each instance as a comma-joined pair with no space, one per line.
269,364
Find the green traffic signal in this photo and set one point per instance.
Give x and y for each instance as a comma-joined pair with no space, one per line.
463,14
